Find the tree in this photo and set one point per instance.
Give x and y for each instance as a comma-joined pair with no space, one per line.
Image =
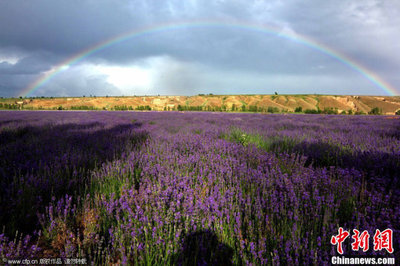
375,111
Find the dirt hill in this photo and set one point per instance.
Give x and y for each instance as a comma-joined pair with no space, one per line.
255,103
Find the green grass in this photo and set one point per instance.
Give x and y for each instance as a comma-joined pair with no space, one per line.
275,144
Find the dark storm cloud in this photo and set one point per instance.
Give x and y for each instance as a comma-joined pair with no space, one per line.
31,64
10,85
61,26
46,32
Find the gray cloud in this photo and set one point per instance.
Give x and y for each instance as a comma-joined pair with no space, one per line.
31,64
78,81
37,35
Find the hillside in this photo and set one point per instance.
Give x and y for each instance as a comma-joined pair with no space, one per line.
253,103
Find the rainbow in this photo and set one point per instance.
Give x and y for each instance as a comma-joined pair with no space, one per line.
264,29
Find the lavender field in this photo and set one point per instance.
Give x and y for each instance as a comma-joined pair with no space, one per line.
195,188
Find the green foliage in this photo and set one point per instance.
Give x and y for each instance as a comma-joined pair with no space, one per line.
253,108
83,107
9,106
122,108
142,108
239,136
375,111
275,144
330,111
298,109
195,108
272,109
312,111
398,112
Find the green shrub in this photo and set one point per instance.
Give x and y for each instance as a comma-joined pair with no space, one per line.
272,109
375,111
312,111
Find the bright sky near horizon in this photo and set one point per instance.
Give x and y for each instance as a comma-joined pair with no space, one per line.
71,47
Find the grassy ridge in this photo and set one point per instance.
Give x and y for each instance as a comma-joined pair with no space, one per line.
327,104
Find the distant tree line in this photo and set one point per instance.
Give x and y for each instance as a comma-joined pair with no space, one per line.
9,106
207,108
224,108
83,107
142,108
335,111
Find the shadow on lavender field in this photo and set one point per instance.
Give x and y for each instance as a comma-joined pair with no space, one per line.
203,248
376,163
6,122
319,153
48,161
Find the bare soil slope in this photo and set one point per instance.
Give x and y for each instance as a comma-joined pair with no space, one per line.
287,103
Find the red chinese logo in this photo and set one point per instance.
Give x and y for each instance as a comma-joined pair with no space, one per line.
338,239
360,241
383,240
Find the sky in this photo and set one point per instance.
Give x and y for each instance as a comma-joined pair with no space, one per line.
171,47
